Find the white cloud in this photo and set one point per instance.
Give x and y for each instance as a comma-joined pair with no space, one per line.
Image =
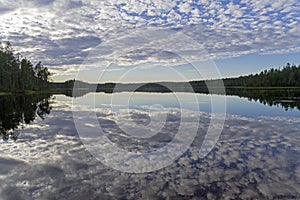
44,29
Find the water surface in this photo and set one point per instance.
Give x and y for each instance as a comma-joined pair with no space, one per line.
257,154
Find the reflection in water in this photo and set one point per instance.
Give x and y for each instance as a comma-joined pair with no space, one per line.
253,159
286,98
16,111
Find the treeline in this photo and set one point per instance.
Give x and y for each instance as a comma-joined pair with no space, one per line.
18,74
73,88
288,76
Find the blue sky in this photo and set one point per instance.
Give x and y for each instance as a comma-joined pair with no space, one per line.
255,63
150,39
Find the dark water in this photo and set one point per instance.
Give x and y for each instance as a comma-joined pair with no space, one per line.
19,110
256,156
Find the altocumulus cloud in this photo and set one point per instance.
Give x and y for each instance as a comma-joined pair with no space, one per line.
62,33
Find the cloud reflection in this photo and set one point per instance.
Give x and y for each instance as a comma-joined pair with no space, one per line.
253,159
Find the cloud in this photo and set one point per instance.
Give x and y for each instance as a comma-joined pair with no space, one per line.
59,31
4,9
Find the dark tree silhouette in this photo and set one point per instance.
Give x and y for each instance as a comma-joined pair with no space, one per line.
17,73
288,76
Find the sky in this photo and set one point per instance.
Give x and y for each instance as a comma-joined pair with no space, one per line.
153,40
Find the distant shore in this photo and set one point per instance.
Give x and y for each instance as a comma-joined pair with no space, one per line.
127,87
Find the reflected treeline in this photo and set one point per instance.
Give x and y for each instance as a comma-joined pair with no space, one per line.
286,98
74,93
73,88
16,111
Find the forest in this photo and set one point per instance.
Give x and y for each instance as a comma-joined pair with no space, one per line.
288,76
17,73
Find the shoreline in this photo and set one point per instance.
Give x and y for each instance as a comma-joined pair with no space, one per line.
59,90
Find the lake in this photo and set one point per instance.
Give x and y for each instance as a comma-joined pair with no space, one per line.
149,146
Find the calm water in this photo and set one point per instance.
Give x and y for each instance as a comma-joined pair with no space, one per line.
43,157
201,102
